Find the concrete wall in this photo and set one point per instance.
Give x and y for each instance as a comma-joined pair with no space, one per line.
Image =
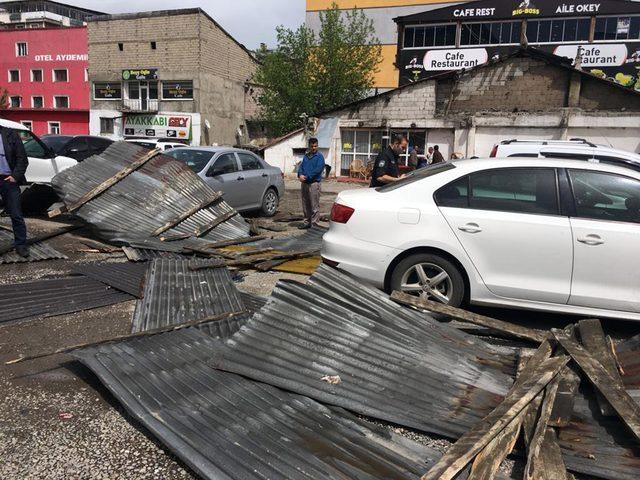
281,154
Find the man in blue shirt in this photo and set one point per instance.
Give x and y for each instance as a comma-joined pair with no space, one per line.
310,176
13,166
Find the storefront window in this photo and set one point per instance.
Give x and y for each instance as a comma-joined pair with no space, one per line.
558,31
430,36
416,138
497,33
359,146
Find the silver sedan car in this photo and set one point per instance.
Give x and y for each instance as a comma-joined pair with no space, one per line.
246,180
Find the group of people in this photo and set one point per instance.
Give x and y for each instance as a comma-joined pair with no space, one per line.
386,170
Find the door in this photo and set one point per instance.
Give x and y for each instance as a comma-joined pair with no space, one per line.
508,222
144,96
256,179
224,175
606,229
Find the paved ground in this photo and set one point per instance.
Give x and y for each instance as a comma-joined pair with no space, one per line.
58,422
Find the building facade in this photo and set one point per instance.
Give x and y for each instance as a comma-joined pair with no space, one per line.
382,13
529,94
42,14
45,73
602,36
168,75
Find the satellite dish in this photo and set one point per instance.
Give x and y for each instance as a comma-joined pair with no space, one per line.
207,125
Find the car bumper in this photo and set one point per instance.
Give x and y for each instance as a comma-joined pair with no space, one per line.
366,260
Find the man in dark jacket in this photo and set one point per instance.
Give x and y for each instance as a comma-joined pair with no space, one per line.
310,176
13,167
386,168
437,156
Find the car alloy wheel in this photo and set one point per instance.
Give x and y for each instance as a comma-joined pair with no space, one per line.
429,282
270,203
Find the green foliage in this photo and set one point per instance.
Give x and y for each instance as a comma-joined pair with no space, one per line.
308,74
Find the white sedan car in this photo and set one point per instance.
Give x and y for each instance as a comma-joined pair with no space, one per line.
543,234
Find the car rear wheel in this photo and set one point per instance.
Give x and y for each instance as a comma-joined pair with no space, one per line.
270,203
430,277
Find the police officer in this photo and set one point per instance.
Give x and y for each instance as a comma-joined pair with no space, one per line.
386,169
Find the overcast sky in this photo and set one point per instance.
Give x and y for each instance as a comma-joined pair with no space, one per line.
249,21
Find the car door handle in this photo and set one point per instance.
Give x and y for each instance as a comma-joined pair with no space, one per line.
264,175
592,240
240,178
470,228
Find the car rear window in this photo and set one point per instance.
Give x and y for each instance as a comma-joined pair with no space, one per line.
417,175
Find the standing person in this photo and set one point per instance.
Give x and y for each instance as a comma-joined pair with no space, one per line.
437,156
13,166
430,156
414,160
310,176
386,169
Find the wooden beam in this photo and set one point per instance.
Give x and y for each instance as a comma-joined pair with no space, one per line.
594,341
472,442
130,336
183,216
627,409
175,237
110,182
57,209
204,229
459,314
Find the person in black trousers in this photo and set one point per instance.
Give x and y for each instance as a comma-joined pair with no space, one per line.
13,166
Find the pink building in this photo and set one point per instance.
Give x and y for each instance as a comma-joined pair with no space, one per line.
45,72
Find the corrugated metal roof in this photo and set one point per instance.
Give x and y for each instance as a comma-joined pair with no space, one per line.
225,426
126,277
46,298
253,302
38,251
174,294
394,364
135,207
310,240
145,254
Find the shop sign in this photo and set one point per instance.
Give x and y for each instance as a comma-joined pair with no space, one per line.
177,90
140,74
455,59
595,54
107,91
176,127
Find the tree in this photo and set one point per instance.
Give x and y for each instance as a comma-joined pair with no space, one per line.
307,74
4,98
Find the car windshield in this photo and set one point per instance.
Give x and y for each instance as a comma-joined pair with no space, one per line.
417,175
55,142
196,160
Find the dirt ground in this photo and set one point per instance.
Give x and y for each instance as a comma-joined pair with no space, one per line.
57,421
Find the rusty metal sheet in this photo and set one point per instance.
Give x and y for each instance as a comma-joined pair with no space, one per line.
126,277
38,251
225,426
136,206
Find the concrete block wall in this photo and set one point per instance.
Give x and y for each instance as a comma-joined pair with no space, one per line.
594,95
516,84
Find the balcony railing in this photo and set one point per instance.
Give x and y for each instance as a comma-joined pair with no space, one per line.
140,105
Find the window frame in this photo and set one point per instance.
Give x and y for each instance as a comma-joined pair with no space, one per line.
33,101
55,102
9,75
53,75
29,122
561,42
173,82
575,213
50,124
212,164
616,40
488,44
354,154
113,125
559,209
434,26
41,75
254,157
26,49
116,99
19,101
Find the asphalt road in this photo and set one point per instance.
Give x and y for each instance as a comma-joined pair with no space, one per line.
58,422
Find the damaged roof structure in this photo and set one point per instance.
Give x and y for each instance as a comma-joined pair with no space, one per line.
335,345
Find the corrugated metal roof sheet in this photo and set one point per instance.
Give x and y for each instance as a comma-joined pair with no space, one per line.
46,298
38,251
126,277
310,240
146,254
174,294
253,302
157,193
394,364
225,426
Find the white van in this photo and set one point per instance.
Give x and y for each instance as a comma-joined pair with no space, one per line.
43,163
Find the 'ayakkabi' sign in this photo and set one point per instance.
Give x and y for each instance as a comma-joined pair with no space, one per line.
455,59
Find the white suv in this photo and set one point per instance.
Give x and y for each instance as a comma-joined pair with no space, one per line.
536,233
574,149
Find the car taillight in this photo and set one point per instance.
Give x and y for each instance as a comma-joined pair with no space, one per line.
341,213
494,152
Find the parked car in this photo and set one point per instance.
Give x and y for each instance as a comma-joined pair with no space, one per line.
152,144
246,180
574,149
44,163
543,234
78,147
